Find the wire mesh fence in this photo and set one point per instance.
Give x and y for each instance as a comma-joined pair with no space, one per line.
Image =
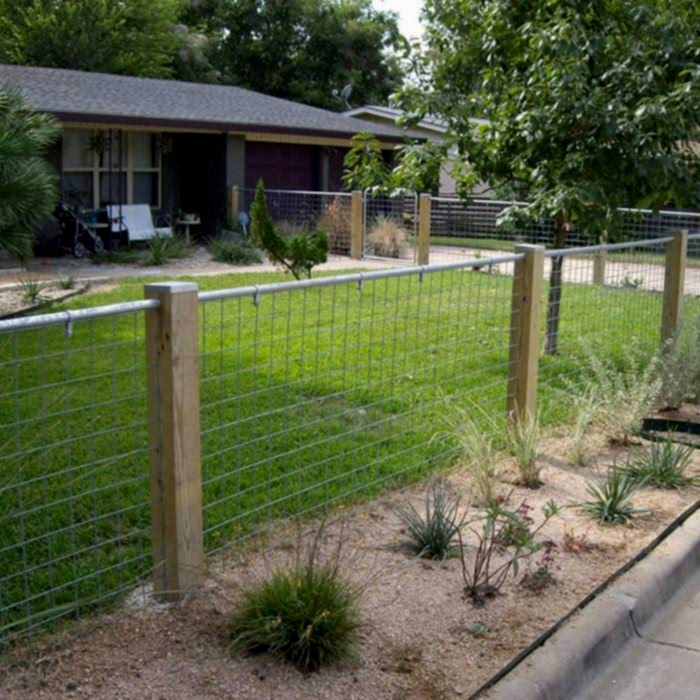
462,229
313,393
296,211
598,304
391,227
75,523
317,395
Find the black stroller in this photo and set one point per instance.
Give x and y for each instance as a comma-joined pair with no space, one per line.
76,237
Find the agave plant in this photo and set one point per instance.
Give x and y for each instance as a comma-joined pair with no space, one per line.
611,498
664,465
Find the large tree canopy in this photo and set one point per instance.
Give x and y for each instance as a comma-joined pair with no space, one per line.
591,104
305,50
132,37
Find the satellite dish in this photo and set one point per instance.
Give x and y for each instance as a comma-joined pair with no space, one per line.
344,95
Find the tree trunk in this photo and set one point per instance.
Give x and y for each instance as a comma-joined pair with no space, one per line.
562,226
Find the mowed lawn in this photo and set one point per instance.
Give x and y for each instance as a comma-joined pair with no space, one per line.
308,398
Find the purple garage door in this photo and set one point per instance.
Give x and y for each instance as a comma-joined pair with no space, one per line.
282,166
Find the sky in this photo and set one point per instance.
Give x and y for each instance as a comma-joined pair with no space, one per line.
409,12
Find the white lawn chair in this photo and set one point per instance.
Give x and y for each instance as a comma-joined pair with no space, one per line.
136,220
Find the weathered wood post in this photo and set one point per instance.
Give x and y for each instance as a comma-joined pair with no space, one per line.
174,438
424,216
674,286
600,260
525,327
233,205
356,226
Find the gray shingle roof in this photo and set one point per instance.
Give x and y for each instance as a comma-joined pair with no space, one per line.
77,94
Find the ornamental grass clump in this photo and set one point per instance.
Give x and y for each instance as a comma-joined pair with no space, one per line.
387,238
433,533
663,464
308,614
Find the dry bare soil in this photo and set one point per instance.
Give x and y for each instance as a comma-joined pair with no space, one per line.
417,642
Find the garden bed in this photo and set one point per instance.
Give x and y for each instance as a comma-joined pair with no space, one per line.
422,639
14,301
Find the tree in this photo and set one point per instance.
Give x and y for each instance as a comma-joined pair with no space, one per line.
297,254
131,37
28,188
591,105
305,50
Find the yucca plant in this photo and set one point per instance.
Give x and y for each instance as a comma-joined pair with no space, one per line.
663,464
433,533
32,290
164,249
611,497
67,282
28,186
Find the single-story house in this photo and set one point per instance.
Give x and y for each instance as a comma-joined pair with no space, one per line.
179,146
428,128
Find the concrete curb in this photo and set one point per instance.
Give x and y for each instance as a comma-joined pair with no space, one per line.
582,648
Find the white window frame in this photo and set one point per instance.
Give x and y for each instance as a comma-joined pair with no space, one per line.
96,170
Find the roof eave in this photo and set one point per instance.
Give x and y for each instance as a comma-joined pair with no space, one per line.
91,118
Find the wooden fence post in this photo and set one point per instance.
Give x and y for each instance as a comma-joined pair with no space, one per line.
600,260
357,226
424,215
674,286
525,340
174,438
233,205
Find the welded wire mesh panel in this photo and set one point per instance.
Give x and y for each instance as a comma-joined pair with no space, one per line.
462,229
74,474
605,304
692,283
322,395
391,227
295,212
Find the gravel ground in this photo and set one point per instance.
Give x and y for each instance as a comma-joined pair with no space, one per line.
416,644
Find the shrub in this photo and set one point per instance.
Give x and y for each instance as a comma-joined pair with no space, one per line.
387,238
489,571
623,395
336,221
308,615
163,249
433,535
522,439
31,289
298,254
516,532
680,368
611,498
542,576
663,464
226,249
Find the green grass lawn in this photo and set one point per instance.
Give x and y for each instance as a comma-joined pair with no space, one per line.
312,397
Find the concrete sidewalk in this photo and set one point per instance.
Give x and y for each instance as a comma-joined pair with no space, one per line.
664,662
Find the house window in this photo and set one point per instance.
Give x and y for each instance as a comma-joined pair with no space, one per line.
108,167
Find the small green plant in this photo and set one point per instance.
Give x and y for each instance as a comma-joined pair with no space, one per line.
228,250
298,254
629,282
522,438
516,532
31,289
433,534
680,367
663,464
611,497
477,449
484,578
163,249
67,282
308,614
542,576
